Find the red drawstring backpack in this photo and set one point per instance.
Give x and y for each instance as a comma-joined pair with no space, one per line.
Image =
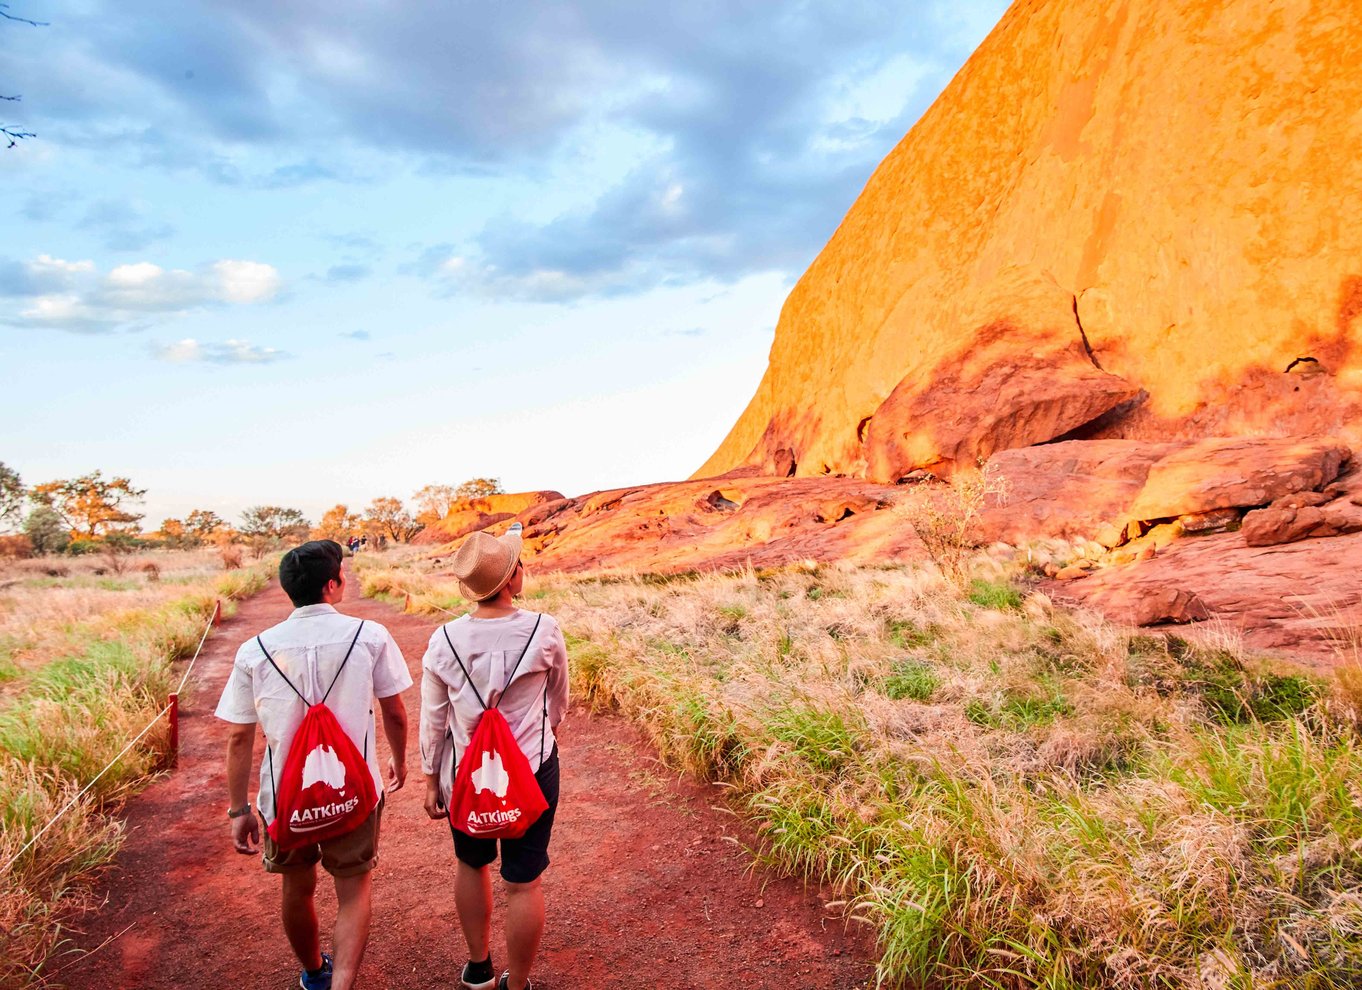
495,794
326,788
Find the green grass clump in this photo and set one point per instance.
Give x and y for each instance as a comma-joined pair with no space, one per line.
993,594
822,738
1016,711
910,679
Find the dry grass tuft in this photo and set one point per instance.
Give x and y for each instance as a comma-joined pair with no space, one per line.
88,661
1015,795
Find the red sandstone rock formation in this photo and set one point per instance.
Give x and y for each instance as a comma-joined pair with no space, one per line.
468,515
1153,200
667,528
1081,487
1302,597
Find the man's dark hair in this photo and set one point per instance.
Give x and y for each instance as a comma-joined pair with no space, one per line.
305,570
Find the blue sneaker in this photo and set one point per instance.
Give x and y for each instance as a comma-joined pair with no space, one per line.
321,979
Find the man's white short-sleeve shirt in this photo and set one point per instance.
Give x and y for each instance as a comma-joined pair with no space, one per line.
308,648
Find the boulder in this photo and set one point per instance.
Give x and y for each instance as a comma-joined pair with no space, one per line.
1198,231
1151,606
1303,597
1023,380
1073,488
1284,522
1229,472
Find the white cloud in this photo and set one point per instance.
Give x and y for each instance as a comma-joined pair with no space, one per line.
246,281
189,350
45,264
72,295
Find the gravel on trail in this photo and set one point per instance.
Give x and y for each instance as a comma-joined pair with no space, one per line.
651,884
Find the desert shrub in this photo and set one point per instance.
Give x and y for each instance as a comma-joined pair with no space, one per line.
16,547
1233,694
230,556
945,518
46,531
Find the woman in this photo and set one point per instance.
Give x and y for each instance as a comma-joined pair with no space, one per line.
516,661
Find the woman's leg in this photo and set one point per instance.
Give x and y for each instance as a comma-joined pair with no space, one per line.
524,928
473,900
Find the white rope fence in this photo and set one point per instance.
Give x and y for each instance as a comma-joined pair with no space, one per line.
172,707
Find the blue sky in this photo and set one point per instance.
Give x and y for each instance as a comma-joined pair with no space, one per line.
299,254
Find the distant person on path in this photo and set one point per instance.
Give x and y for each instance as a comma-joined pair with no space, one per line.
533,697
318,653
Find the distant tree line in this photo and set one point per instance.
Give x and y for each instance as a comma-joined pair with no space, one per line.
94,513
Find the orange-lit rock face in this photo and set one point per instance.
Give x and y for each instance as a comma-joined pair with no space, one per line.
478,513
1175,180
684,526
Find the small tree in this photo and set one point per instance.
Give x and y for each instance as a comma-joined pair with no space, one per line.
46,531
89,505
478,488
116,548
12,494
338,523
391,519
433,502
266,527
176,535
204,525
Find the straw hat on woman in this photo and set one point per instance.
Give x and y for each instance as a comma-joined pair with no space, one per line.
517,661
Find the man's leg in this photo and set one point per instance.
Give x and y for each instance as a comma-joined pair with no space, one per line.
300,916
352,928
524,927
473,900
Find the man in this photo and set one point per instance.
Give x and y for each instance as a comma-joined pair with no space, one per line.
306,655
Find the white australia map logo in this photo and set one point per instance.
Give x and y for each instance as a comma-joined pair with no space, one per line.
491,776
322,766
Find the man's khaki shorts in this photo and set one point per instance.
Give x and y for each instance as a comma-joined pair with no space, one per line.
348,855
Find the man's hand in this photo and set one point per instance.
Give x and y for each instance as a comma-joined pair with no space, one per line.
245,828
435,809
397,772
246,834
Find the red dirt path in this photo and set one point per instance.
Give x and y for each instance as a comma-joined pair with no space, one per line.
645,890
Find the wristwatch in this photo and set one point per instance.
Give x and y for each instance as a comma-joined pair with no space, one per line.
245,809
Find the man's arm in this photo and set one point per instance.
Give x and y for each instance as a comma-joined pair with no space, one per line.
395,729
245,828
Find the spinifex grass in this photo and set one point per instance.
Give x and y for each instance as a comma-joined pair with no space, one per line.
1014,795
65,717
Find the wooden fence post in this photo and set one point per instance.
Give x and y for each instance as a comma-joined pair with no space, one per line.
174,728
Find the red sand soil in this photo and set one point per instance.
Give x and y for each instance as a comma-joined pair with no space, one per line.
649,887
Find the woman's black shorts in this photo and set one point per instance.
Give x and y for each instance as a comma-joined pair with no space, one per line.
522,859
